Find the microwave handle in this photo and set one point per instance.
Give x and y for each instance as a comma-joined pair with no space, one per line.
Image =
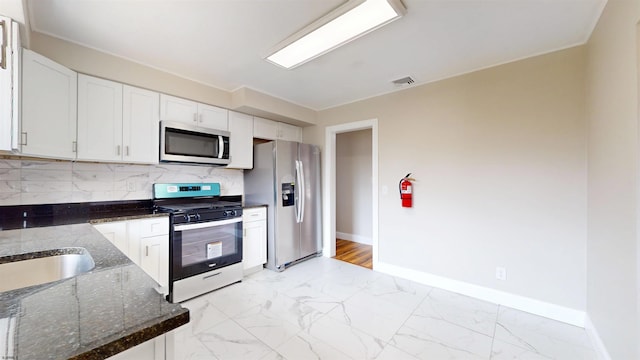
220,146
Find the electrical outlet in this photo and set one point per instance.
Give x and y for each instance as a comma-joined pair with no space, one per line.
501,273
131,186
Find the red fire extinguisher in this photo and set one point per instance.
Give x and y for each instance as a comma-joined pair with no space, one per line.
406,191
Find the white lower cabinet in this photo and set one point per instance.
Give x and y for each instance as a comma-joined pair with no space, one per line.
154,258
145,242
254,239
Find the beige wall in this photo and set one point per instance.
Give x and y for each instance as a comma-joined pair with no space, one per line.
500,161
353,193
110,67
612,246
96,63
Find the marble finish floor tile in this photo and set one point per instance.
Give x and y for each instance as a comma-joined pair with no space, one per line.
305,346
372,315
229,340
324,308
473,314
426,338
347,339
542,336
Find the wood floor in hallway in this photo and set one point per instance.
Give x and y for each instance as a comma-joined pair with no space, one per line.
354,253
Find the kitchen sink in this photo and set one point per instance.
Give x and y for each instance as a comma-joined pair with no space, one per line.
23,270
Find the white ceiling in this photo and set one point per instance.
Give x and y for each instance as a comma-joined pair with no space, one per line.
222,42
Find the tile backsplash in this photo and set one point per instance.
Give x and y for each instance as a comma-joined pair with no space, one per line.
24,182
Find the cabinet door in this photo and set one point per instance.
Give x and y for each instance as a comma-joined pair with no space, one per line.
10,86
254,240
254,244
213,117
116,233
265,129
140,125
99,119
49,98
154,258
149,247
241,129
177,109
289,132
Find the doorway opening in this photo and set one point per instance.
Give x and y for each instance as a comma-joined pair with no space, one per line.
366,200
353,197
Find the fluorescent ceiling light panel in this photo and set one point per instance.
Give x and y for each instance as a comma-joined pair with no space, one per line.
337,28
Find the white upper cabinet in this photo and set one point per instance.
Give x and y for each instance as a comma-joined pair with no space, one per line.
49,97
265,129
273,130
241,129
99,119
289,132
116,122
140,125
190,112
10,66
177,109
213,117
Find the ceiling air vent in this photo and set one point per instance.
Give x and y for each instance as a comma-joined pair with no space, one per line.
407,80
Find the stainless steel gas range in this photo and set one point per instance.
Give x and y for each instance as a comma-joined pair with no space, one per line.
205,249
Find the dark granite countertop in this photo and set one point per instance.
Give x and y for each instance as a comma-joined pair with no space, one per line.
252,205
91,316
28,216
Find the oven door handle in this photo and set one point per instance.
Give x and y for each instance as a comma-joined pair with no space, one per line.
207,224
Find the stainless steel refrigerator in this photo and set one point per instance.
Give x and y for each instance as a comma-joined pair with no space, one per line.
286,177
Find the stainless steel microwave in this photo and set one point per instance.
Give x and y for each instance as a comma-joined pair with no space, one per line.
192,144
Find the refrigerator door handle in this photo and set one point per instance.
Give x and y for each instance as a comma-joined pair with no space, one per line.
298,195
302,191
297,189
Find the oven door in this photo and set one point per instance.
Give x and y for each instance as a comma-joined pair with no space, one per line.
201,247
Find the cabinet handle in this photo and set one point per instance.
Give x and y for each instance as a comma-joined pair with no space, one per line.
118,150
126,150
146,250
3,36
195,117
74,146
200,117
24,136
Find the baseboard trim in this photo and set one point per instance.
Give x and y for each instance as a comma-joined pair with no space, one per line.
596,341
355,238
533,306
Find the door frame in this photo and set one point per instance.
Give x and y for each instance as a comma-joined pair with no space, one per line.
329,193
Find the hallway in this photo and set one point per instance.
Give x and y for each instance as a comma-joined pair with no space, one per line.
354,253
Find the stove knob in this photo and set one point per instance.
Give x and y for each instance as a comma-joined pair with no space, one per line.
186,218
197,216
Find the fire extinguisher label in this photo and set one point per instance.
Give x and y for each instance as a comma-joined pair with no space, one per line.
407,190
